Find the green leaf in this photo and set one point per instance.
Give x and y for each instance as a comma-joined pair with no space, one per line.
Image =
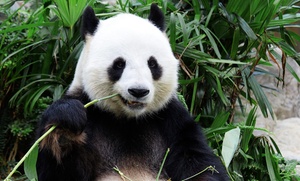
30,164
259,94
246,28
190,52
274,176
220,120
35,97
292,71
235,43
247,133
26,26
230,143
184,28
172,28
211,40
212,60
23,48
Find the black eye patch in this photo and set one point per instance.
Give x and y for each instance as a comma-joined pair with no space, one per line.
116,69
155,68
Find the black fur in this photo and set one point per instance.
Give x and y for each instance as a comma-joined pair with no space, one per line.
112,141
156,16
156,69
89,22
116,69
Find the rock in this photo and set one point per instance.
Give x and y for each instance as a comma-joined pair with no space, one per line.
287,136
285,101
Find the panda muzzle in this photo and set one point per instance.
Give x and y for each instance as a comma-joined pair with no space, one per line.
133,104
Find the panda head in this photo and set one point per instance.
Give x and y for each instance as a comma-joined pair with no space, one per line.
130,56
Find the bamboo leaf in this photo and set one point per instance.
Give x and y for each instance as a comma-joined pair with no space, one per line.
34,98
26,26
269,161
246,28
259,94
292,71
247,133
229,146
211,40
30,164
172,28
220,120
184,29
235,43
18,51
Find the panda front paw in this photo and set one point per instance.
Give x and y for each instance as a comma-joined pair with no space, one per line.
69,117
66,114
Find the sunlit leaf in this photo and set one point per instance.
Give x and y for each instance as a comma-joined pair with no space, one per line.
30,164
230,143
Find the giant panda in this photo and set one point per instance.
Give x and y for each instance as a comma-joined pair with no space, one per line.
125,137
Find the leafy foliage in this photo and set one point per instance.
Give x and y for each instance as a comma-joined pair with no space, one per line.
221,46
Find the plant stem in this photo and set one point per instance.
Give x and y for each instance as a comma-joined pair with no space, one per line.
207,168
46,134
162,164
121,174
101,99
29,151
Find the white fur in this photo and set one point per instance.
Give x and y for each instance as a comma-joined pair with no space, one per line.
134,39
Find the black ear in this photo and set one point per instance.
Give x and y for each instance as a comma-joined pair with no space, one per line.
157,17
89,22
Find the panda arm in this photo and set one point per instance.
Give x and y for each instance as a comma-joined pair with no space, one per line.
69,115
67,154
189,151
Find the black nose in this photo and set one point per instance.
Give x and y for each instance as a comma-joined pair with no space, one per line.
138,93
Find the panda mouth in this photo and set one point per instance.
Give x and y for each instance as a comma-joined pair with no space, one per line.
133,104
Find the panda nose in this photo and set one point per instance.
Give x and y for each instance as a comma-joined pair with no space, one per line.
138,93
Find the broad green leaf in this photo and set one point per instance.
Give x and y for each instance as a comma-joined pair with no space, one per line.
172,28
209,16
210,133
258,92
190,81
211,40
247,133
197,9
35,97
220,120
211,60
184,28
270,164
30,164
190,52
58,92
194,91
18,51
26,26
246,28
292,71
235,43
230,143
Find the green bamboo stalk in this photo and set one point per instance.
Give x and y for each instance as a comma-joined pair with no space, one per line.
28,152
101,99
46,134
162,164
211,168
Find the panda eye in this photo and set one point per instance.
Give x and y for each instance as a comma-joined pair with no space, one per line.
119,63
152,63
155,68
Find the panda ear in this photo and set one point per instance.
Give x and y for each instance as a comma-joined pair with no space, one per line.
156,16
89,22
